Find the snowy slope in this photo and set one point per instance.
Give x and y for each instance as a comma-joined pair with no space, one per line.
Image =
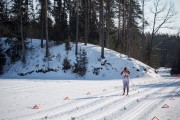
109,68
92,97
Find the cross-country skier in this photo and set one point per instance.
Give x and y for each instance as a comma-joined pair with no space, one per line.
125,73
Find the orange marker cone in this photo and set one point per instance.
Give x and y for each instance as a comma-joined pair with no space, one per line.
165,106
155,118
88,93
172,98
67,98
104,90
36,107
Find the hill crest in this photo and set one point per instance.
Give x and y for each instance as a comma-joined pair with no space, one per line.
37,67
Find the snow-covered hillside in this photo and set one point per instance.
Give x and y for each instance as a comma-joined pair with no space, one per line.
26,93
97,68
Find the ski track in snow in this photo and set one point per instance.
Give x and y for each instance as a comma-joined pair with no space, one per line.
106,105
12,88
100,114
120,105
130,115
95,105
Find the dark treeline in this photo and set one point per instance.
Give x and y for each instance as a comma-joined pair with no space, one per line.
115,24
166,51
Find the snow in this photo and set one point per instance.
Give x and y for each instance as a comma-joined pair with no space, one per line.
163,71
105,101
114,63
91,97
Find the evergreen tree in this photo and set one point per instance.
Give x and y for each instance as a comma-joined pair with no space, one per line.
101,33
3,15
19,20
15,17
40,8
72,21
34,27
67,45
109,21
80,67
2,60
66,64
60,16
86,22
46,28
93,23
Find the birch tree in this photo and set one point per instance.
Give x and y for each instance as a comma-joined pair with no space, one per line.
163,12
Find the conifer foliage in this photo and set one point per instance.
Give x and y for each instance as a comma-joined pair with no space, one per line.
66,64
2,60
85,21
80,67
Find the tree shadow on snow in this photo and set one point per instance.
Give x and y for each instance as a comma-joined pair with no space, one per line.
159,85
98,97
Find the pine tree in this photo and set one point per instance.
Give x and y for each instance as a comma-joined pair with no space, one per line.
67,45
80,67
3,15
34,27
86,22
66,64
101,35
60,15
19,18
109,21
2,60
41,17
46,28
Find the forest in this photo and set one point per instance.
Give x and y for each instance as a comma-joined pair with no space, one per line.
114,24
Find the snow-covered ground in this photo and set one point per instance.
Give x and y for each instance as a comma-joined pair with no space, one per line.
95,96
89,99
97,68
163,71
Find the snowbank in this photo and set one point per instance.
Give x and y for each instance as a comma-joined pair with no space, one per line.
97,68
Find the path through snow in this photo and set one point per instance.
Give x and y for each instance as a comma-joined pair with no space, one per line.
105,101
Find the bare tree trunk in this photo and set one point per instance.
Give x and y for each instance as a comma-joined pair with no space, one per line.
42,24
102,27
123,30
22,37
69,27
86,21
69,21
77,27
163,19
143,36
26,17
108,23
119,26
46,25
129,34
152,36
